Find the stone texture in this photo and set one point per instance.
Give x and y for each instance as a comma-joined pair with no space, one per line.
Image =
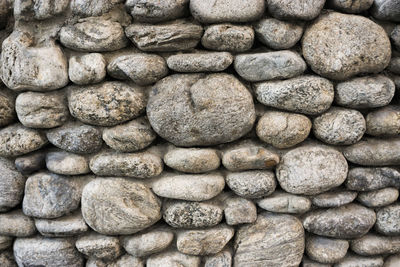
7,106
387,221
7,259
384,121
334,199
239,210
39,10
99,246
106,104
352,260
307,94
15,223
180,107
395,36
153,11
394,65
69,225
348,221
351,6
306,262
221,259
117,206
282,202
31,162
368,179
251,184
125,260
173,258
87,8
379,198
386,10
87,68
273,240
289,9
5,242
192,160
392,261
326,250
200,62
372,244
66,163
12,185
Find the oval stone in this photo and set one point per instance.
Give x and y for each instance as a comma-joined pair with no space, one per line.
154,11
200,62
99,246
378,198
352,260
192,160
295,9
69,225
372,244
282,202
12,184
387,221
334,199
252,184
87,68
62,162
326,250
15,223
351,6
368,179
384,121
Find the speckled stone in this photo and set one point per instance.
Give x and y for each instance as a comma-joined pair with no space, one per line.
387,221
12,185
384,121
69,225
378,198
372,244
62,162
334,199
192,160
290,9
282,202
15,223
200,62
326,250
99,246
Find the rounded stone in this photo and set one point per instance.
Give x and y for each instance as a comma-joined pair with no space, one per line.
154,11
200,62
62,162
239,210
326,250
311,170
15,223
394,65
384,121
89,8
386,10
87,68
395,36
351,6
369,179
99,246
117,206
192,160
173,258
31,162
69,225
282,202
252,184
180,109
372,244
333,199
12,184
352,260
295,9
387,221
339,46
339,126
378,198
7,106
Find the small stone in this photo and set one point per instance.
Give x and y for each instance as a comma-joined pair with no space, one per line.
141,68
308,94
374,152
7,106
282,202
387,221
173,35
228,37
384,121
378,198
352,260
208,11
180,107
273,240
62,162
290,10
386,10
192,187
173,258
76,137
127,260
372,244
192,160
368,179
87,68
99,246
38,10
118,206
269,66
348,221
306,262
395,36
39,251
138,165
106,104
283,129
12,185
333,199
204,241
189,214
392,261
278,34
31,162
15,223
252,184
17,140
339,126
339,46
351,6
5,242
69,225
326,250
221,259
153,11
239,210
88,8
150,242
200,62
394,65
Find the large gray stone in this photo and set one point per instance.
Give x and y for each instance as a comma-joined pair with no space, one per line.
352,260
351,6
200,61
239,210
295,9
88,8
192,160
12,185
384,121
386,10
252,184
154,11
326,250
368,179
15,223
387,221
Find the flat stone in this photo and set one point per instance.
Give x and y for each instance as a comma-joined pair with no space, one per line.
269,66
12,184
180,107
306,262
153,11
368,179
17,140
387,221
62,162
282,202
351,6
106,104
228,37
278,34
7,104
252,184
200,62
378,198
5,242
76,137
87,68
173,35
192,187
326,250
297,9
374,152
352,260
392,261
362,46
239,210
372,244
69,225
365,92
208,11
118,206
15,223
307,94
124,260
283,129
31,162
204,241
88,8
221,259
192,160
384,121
36,251
348,221
99,246
386,10
273,240
334,199
173,258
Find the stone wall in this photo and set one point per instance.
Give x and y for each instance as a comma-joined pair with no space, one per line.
213,133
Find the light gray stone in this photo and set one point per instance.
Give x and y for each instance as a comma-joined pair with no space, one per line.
12,185
351,6
239,210
282,202
87,68
192,160
62,162
221,259
88,8
7,106
378,198
297,9
372,244
353,260
173,258
326,250
15,223
31,162
387,221
99,246
153,11
69,225
386,10
368,179
306,262
252,184
334,199
40,10
384,121
200,61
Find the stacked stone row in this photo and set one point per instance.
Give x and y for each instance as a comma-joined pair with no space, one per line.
200,133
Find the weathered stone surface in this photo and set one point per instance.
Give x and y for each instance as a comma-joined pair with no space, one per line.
87,8
173,258
87,68
173,35
117,206
106,104
239,210
5,242
76,137
40,10
283,202
367,179
180,107
305,94
374,152
372,244
99,246
15,223
125,260
326,250
348,221
200,62
387,220
384,121
11,185
386,10
392,261
352,260
154,11
252,184
68,225
306,262
395,36
351,6
363,46
31,162
192,160
62,162
7,106
37,251
17,140
221,259
333,199
379,198
339,126
228,37
278,34
273,240
192,187
289,9
7,259
365,92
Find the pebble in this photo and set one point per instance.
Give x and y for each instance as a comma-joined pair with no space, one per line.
239,210
7,104
221,259
348,221
387,221
378,198
153,11
5,242
99,246
368,179
326,250
180,107
12,185
351,6
386,10
338,51
173,258
31,162
372,244
257,67
252,184
69,225
200,62
384,121
334,199
62,162
15,223
192,160
295,9
133,208
87,68
353,260
307,94
282,202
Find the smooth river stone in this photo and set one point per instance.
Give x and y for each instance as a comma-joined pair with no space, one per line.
239,210
62,162
99,246
351,6
334,199
378,198
295,9
87,68
282,202
173,258
192,160
12,184
154,11
372,244
384,121
368,179
15,223
387,221
31,162
69,225
252,184
386,10
200,62
326,250
221,259
352,260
